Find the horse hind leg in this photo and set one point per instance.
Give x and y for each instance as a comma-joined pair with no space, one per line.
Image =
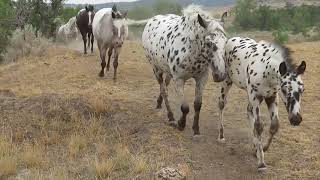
160,98
164,93
226,86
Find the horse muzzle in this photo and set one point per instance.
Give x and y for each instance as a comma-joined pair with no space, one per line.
295,120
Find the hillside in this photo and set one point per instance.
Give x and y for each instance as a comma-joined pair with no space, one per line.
59,120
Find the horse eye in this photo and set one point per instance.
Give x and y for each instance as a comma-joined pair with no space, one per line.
209,44
214,48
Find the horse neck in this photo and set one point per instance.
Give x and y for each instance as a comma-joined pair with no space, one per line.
196,35
275,63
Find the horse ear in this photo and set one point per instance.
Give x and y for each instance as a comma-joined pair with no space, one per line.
114,8
224,16
301,68
113,15
87,8
124,14
283,68
202,22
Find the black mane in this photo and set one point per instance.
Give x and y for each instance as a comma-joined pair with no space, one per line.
287,56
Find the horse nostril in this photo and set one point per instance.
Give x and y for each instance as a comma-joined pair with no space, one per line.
296,120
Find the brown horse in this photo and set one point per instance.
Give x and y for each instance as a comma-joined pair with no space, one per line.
84,23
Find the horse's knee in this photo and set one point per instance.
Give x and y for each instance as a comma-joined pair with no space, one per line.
221,104
185,108
103,64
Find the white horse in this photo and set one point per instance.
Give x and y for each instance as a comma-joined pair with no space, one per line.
263,70
184,47
69,30
110,30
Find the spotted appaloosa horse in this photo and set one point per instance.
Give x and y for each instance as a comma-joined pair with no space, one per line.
184,47
264,70
84,23
110,30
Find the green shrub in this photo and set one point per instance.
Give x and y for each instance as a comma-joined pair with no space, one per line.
280,36
249,16
24,42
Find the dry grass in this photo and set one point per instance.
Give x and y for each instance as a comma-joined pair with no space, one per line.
103,169
77,144
139,165
8,166
33,156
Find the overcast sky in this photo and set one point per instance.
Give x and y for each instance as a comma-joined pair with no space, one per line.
94,1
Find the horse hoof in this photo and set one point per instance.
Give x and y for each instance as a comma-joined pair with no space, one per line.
181,126
172,124
197,137
262,167
101,74
221,140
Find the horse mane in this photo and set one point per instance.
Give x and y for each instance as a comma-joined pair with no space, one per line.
286,54
194,9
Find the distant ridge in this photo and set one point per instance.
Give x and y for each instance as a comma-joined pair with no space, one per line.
129,5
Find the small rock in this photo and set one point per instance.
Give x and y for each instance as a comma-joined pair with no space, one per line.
169,173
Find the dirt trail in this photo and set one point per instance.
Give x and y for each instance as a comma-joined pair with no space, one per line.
293,154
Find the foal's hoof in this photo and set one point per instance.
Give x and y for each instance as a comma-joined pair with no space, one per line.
262,167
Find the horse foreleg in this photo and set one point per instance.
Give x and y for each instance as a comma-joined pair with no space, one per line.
92,41
89,36
200,84
102,50
255,102
115,62
84,38
226,85
179,87
109,57
273,112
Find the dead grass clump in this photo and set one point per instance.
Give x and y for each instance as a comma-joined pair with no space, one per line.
8,166
99,105
122,157
103,169
33,156
24,42
139,165
77,143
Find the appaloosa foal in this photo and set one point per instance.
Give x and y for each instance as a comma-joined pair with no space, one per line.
184,47
264,71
